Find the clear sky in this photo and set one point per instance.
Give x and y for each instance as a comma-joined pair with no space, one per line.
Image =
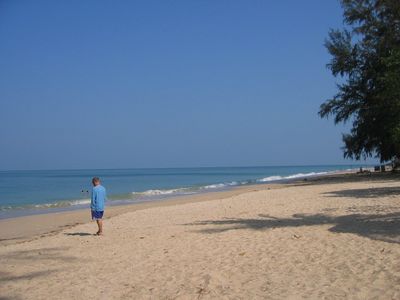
118,84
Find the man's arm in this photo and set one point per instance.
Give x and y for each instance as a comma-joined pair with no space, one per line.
94,197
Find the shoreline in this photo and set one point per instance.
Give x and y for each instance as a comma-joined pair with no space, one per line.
62,202
25,228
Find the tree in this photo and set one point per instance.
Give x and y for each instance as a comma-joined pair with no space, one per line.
366,59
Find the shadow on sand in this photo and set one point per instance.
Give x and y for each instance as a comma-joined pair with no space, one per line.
54,254
366,193
79,234
377,177
14,297
27,257
377,222
7,277
382,227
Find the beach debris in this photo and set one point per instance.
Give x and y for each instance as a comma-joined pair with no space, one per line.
141,237
296,236
242,253
383,249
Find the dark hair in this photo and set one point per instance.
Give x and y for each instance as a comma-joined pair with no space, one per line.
95,179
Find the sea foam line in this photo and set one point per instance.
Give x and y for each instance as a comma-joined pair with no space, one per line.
185,190
56,204
157,192
294,176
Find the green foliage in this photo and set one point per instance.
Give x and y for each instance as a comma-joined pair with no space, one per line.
366,56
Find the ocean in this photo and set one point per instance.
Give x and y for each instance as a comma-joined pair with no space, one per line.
33,192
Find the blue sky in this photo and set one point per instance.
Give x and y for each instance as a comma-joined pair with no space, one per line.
117,84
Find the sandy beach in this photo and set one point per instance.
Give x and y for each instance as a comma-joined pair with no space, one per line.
336,237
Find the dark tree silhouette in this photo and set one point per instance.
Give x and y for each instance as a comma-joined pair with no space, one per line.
366,58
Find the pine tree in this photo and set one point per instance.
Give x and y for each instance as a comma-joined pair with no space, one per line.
366,59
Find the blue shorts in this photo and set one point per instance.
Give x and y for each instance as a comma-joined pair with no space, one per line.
97,215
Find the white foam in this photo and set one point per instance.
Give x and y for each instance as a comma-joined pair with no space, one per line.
80,202
184,191
214,186
219,185
161,192
63,203
270,178
298,175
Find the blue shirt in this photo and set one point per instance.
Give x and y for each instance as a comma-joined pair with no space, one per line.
98,198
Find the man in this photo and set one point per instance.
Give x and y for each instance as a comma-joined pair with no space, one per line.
97,203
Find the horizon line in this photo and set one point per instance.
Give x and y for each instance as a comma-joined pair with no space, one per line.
358,164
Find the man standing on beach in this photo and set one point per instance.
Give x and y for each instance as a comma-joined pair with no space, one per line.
97,203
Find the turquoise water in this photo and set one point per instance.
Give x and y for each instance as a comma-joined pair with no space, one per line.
27,192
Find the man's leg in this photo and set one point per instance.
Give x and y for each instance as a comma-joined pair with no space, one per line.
100,225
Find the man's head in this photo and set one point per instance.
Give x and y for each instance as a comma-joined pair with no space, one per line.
95,181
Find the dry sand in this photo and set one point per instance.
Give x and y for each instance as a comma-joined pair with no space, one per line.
335,238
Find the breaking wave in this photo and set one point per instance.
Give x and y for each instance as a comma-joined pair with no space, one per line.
294,176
